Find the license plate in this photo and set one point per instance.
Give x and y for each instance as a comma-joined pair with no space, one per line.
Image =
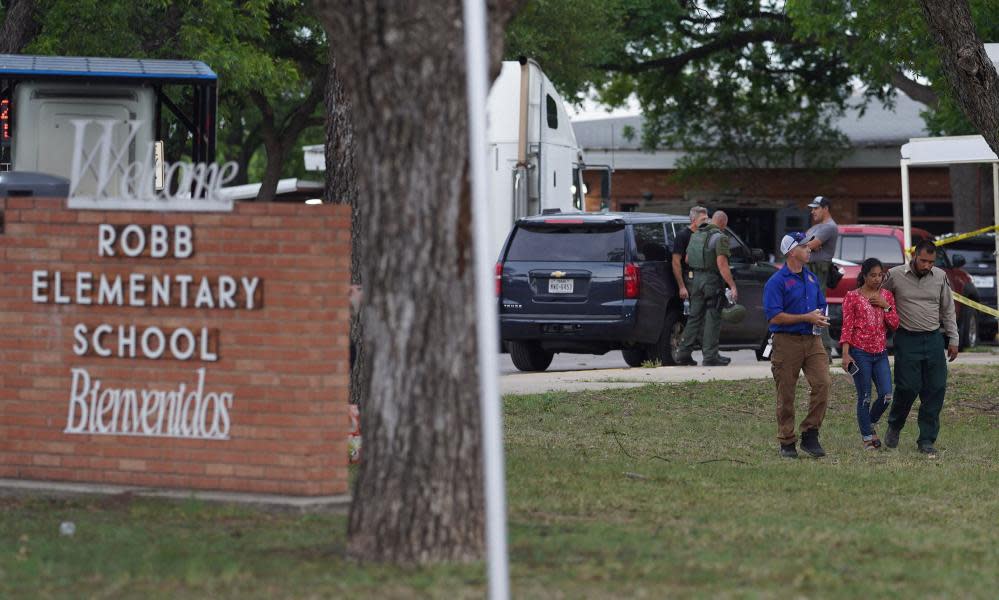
560,286
983,282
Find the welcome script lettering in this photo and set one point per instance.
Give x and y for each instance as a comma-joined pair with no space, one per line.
114,167
186,410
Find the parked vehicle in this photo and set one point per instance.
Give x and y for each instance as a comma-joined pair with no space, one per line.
588,283
979,256
535,162
857,243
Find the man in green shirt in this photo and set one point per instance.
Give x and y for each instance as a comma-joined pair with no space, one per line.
707,256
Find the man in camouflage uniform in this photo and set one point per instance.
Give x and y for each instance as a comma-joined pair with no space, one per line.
707,256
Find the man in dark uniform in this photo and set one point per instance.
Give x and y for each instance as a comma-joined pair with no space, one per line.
924,302
707,255
681,270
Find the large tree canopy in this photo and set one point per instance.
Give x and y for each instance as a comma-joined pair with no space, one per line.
744,82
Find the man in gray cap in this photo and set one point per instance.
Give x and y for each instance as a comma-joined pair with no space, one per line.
824,232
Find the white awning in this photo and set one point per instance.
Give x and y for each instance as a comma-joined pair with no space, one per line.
948,150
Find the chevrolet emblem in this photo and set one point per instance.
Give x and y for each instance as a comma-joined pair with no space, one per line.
558,274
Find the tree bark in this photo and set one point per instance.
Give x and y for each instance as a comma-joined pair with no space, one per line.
19,26
341,188
965,181
418,497
969,70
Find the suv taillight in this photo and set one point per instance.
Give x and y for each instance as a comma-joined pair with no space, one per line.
499,279
631,280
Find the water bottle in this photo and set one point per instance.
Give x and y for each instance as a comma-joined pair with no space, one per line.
817,330
686,306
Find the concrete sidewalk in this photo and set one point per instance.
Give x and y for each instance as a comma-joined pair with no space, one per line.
599,379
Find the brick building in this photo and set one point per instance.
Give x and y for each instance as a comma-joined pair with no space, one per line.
764,203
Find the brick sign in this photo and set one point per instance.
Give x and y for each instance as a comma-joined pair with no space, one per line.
176,350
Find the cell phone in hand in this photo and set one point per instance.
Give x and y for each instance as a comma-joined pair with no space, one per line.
852,368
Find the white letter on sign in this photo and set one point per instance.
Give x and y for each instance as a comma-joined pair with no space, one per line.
78,398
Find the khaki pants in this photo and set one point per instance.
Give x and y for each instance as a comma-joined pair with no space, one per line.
793,354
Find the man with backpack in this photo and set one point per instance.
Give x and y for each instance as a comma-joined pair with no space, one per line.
707,258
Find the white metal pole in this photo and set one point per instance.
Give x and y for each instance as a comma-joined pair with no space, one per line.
476,66
995,218
906,211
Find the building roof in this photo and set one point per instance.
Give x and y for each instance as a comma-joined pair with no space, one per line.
878,126
27,66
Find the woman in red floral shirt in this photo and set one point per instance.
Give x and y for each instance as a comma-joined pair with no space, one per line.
868,312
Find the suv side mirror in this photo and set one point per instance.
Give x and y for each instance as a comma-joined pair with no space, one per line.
957,261
757,254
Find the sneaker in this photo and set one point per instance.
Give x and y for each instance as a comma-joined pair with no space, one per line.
928,450
875,439
810,443
686,362
891,438
788,451
869,444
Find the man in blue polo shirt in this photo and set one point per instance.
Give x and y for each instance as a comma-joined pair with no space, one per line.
795,307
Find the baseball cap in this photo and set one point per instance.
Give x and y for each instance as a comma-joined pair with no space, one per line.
819,201
793,240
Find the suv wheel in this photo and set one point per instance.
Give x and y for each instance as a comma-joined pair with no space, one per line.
634,356
529,356
666,347
968,330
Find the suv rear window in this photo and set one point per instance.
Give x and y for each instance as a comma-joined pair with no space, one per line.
568,244
858,248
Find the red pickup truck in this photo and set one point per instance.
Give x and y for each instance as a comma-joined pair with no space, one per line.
856,243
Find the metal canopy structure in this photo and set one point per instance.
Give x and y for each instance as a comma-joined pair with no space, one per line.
199,120
927,152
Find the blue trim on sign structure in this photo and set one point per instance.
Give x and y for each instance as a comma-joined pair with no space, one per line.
15,65
211,77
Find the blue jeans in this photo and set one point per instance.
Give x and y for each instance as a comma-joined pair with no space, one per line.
872,367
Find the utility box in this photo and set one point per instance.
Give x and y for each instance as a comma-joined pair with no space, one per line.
42,185
44,123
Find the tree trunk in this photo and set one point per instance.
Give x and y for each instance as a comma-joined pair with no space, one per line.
965,195
19,26
276,154
418,497
341,188
280,138
968,68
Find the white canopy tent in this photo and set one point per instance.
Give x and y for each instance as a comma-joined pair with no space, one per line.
925,152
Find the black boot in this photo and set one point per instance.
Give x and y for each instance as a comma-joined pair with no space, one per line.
788,451
810,443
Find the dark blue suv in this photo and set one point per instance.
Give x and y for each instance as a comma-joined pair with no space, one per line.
589,283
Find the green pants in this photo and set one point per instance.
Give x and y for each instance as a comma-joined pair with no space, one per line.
704,322
920,370
821,270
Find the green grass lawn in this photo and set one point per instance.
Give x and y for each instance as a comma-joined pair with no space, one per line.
659,491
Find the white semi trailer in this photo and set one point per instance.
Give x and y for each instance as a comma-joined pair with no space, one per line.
535,163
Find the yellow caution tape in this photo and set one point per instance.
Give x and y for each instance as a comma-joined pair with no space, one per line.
957,238
976,305
963,236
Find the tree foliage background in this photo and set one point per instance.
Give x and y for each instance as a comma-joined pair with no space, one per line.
270,56
755,83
